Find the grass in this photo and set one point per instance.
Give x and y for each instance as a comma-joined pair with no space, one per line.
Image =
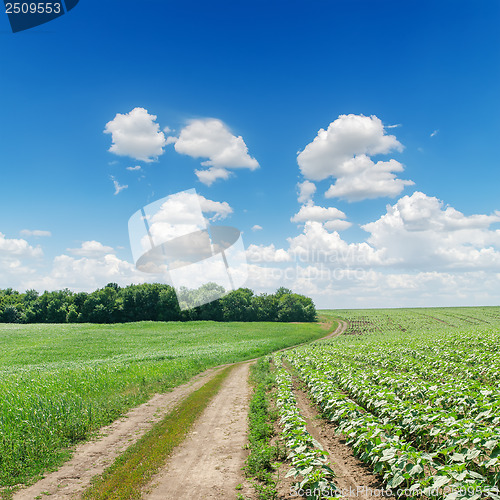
128,475
263,458
61,383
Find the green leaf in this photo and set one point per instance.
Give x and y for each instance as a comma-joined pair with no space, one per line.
440,481
458,457
490,444
416,469
396,481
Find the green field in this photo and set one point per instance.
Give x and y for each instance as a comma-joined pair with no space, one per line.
59,383
415,392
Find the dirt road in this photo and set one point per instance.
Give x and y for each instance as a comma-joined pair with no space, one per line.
92,458
218,444
208,463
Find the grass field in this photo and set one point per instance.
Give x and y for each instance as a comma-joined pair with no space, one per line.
59,383
416,393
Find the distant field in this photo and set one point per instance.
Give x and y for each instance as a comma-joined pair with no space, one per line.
416,393
59,383
415,320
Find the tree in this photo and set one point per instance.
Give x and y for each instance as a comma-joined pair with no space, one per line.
10,314
236,305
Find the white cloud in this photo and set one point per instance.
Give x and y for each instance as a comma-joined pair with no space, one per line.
17,261
17,248
210,175
306,191
419,253
132,169
179,215
210,138
91,249
368,180
88,273
317,244
261,253
118,186
38,233
220,209
311,212
436,132
136,134
256,228
346,137
420,232
343,151
337,225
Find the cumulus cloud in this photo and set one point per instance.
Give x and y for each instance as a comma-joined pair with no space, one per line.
132,169
210,175
136,134
306,191
210,138
337,225
17,261
318,244
178,215
419,231
368,180
331,217
219,209
38,233
91,249
343,151
346,137
18,248
256,228
421,252
88,273
262,253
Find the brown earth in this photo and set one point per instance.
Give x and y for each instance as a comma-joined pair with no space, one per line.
353,477
207,465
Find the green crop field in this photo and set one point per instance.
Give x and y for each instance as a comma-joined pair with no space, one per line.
59,383
415,392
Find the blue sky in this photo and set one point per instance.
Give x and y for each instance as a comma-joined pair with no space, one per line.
274,74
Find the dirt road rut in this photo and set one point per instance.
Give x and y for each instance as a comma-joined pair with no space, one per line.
208,463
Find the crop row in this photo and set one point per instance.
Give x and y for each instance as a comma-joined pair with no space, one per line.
425,423
383,442
307,457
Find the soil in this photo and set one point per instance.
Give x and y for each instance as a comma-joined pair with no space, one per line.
207,465
91,458
353,476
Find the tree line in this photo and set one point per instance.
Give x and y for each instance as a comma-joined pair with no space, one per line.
152,302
